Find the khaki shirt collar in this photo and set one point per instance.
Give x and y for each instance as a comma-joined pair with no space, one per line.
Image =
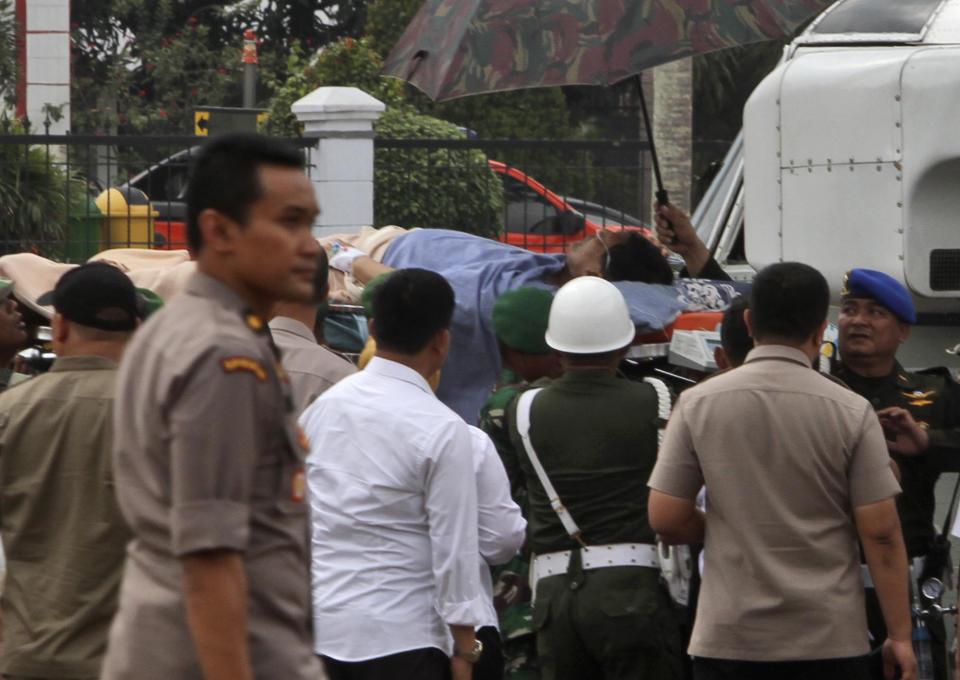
204,285
87,362
298,328
779,352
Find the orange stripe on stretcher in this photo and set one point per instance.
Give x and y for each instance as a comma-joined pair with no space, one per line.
688,321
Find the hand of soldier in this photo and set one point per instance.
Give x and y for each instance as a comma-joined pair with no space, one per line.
898,654
904,435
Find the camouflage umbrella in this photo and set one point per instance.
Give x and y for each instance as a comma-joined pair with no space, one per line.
455,48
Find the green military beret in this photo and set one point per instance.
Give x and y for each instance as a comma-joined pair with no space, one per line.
520,319
147,302
366,297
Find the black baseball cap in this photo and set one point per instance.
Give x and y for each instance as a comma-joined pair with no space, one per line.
98,295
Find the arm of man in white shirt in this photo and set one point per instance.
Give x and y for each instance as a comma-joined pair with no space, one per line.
501,527
451,505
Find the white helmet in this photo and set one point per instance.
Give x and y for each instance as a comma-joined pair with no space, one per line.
589,316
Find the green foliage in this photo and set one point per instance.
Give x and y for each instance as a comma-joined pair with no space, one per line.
37,196
347,62
282,24
8,53
722,81
442,188
386,22
153,84
525,114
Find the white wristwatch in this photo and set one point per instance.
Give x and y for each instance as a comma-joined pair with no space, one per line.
472,656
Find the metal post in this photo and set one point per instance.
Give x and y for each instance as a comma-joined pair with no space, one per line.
250,61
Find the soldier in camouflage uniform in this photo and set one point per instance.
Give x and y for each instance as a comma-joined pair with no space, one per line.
520,320
919,413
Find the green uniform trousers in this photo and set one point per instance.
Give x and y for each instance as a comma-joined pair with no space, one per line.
615,623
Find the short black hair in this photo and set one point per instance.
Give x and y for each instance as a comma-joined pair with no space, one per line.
321,277
788,301
637,259
734,337
224,177
409,308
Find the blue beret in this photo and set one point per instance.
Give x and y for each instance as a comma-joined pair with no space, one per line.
869,283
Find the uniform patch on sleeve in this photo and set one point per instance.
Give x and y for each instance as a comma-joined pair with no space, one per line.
234,364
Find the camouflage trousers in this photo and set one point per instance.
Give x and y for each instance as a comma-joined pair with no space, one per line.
512,599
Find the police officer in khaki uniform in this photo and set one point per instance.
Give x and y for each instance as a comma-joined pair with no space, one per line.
207,456
311,367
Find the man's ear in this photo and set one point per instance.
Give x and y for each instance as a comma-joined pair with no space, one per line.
217,230
441,342
818,334
59,328
720,358
904,332
748,322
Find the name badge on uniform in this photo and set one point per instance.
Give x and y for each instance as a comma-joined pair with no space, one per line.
298,486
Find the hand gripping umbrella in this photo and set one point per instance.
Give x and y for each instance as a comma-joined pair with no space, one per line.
456,48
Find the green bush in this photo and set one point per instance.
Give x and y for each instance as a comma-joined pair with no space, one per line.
347,62
440,188
36,197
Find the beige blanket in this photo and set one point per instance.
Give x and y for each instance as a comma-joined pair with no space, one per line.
166,272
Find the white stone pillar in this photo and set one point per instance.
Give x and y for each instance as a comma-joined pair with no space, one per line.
341,166
47,67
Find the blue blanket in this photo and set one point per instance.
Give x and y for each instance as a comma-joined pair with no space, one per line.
479,270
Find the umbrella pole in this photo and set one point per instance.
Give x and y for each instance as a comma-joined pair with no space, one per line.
662,198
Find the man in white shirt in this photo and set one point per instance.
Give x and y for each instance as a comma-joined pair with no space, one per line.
393,499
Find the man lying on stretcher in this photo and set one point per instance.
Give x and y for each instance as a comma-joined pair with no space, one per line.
480,270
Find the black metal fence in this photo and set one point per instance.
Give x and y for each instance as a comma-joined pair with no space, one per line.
69,196
536,194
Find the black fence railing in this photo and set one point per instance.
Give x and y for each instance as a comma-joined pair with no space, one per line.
536,194
69,196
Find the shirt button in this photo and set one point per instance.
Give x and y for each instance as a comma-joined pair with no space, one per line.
875,401
574,584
